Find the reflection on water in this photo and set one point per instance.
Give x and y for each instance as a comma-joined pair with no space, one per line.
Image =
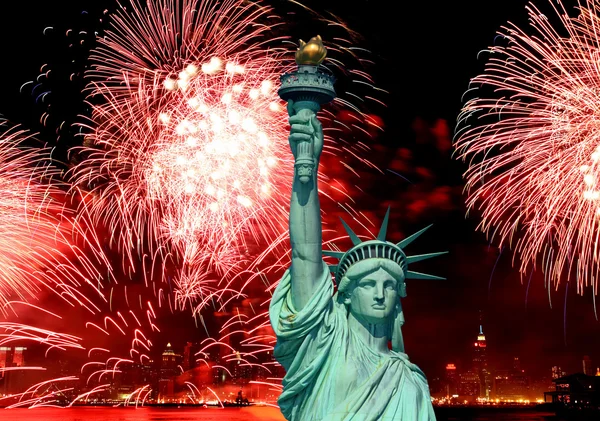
496,414
142,414
239,414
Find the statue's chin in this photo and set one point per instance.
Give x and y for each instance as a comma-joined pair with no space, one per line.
304,179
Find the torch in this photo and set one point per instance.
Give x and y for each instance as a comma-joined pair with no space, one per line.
306,89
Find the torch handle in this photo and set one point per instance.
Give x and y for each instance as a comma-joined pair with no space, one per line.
305,152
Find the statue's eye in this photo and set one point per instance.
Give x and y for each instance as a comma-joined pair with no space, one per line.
367,284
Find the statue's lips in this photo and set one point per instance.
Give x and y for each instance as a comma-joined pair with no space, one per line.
378,307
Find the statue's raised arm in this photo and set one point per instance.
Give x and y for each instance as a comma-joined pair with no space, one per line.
306,142
305,90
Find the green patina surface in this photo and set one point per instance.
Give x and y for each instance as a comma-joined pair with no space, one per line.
334,347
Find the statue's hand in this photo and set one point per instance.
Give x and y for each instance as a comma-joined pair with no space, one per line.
305,129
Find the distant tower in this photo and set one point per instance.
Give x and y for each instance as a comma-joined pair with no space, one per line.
170,359
469,387
588,368
4,359
557,372
480,365
168,370
451,380
18,358
516,365
187,356
11,357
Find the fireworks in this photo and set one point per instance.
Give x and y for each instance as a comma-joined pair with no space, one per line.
187,146
186,158
38,254
215,160
531,138
184,171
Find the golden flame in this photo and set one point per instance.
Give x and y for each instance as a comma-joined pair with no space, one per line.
312,52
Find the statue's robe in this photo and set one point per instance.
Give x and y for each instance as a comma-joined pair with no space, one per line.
331,374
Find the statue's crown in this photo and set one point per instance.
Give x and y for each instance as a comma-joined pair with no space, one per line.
379,248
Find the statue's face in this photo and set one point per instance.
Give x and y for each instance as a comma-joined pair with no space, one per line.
374,297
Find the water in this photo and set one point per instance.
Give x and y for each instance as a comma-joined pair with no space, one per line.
495,414
238,414
142,414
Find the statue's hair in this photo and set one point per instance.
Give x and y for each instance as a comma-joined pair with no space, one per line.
364,267
373,249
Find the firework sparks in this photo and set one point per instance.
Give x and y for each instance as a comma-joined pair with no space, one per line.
186,148
182,166
103,364
186,157
531,141
36,232
215,160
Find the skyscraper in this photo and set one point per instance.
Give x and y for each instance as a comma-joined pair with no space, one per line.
511,383
170,360
11,357
187,356
18,360
4,360
469,387
168,370
480,365
451,380
557,372
516,364
588,368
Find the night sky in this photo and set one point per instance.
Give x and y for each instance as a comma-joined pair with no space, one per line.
424,56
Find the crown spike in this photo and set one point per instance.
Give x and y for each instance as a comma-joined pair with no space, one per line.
412,238
384,225
418,275
418,258
333,253
355,240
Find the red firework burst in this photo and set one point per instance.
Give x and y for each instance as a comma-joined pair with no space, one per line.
187,149
184,156
531,141
188,142
36,233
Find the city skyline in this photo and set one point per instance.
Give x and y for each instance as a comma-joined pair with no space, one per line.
478,379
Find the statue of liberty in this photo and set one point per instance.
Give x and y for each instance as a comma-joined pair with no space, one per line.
335,346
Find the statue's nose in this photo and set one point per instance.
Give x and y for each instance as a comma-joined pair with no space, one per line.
379,293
